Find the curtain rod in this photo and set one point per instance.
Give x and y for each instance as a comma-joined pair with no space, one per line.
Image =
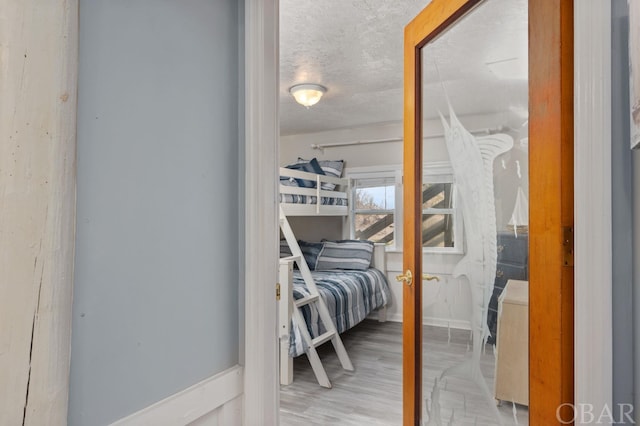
322,147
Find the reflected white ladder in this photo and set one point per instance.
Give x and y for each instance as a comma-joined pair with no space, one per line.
313,298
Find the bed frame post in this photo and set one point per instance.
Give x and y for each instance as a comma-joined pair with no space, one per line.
379,261
285,279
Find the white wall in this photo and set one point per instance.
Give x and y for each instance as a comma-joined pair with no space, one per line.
156,297
446,302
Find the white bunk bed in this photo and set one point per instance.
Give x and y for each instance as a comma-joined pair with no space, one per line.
300,201
303,300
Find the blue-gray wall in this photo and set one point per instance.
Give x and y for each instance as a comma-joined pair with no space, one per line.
622,211
156,299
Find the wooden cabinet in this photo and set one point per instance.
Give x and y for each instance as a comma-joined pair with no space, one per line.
512,354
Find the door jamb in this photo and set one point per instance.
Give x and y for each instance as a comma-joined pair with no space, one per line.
262,392
593,216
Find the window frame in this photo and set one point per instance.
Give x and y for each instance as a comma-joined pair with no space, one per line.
436,172
381,172
440,174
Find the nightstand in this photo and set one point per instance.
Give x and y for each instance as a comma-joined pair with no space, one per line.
512,351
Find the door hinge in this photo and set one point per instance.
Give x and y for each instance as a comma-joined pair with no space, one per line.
278,291
567,245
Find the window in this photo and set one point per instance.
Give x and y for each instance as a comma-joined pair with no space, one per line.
438,212
376,209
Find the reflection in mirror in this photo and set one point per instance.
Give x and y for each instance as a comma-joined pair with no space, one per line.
474,92
438,215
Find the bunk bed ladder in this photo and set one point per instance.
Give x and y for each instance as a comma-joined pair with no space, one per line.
314,298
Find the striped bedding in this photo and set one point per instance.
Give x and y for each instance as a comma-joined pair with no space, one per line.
311,199
349,295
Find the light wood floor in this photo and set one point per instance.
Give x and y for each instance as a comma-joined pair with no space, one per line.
372,395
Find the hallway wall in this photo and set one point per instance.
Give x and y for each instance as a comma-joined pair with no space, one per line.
156,298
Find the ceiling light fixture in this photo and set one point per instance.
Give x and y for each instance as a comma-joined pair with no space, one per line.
307,94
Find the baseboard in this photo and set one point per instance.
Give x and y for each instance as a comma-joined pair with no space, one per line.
192,403
430,321
445,322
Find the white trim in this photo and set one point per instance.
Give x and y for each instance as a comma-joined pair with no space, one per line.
435,268
230,414
447,323
378,172
437,168
192,403
428,321
322,147
432,168
261,226
371,171
37,219
592,203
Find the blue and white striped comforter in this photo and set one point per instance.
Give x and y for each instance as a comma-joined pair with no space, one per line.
312,199
349,295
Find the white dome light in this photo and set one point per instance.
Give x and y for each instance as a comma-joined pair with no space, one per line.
307,94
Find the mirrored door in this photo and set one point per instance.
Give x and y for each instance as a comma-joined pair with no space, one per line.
477,272
474,125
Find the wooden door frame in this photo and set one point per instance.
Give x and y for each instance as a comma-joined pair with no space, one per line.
431,22
551,213
551,191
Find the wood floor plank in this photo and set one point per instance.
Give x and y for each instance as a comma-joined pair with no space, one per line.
372,394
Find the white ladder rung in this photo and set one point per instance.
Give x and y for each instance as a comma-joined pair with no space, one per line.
306,300
323,338
294,258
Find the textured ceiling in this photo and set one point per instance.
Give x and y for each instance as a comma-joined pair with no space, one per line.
354,48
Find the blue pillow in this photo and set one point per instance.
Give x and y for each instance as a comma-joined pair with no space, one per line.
345,254
310,251
312,166
330,168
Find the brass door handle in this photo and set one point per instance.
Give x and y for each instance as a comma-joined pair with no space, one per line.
407,277
428,277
